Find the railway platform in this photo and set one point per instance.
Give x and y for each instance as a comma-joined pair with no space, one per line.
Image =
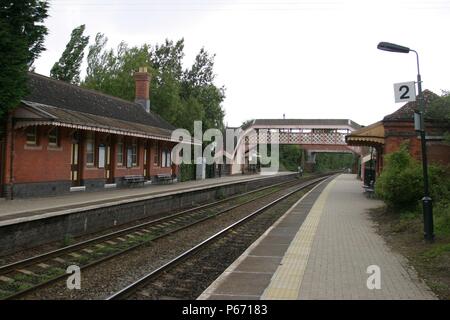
21,210
25,223
324,247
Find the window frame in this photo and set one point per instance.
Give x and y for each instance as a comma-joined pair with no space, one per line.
120,148
166,158
90,141
56,136
157,156
33,142
134,155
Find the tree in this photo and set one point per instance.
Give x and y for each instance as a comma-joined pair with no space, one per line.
110,72
21,41
199,83
290,156
439,108
334,161
68,67
180,97
167,59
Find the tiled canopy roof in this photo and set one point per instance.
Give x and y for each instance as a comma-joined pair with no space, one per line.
406,112
71,104
79,120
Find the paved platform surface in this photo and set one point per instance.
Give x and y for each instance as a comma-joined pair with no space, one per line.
321,249
12,209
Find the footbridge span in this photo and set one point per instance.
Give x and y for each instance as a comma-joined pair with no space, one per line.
313,135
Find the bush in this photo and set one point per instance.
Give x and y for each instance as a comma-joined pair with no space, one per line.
187,172
400,184
289,157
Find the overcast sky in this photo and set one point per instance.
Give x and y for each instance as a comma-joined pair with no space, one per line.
303,58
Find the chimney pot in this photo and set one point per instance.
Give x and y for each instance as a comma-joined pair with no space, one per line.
142,85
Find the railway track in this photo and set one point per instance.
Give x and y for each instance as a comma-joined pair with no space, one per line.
25,276
182,277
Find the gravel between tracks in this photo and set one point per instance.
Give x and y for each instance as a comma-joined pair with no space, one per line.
102,280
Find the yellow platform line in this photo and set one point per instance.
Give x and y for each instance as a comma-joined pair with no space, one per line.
287,279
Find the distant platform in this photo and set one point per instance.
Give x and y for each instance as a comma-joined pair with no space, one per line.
20,210
26,223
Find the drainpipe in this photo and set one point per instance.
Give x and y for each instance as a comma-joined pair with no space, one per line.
3,160
11,158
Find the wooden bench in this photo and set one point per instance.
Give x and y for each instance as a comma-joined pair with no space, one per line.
164,177
132,180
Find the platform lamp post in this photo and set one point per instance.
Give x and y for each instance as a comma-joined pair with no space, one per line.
420,126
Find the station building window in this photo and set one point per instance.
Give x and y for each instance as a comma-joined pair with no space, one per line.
120,152
157,157
90,149
53,137
132,155
166,158
31,133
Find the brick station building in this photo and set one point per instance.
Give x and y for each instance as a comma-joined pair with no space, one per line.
387,135
64,138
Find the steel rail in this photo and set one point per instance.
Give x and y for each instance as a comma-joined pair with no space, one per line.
130,289
79,245
46,256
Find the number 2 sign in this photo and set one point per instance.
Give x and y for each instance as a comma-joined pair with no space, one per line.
405,91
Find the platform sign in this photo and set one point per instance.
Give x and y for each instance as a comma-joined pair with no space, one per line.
405,91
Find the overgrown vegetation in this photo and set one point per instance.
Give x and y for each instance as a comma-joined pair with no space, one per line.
400,184
334,161
290,156
439,109
401,187
187,172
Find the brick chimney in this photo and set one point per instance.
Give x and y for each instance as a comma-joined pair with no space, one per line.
142,84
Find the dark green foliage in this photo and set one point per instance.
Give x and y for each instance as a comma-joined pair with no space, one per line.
290,157
333,161
68,67
400,184
187,172
21,42
439,109
111,72
180,97
198,82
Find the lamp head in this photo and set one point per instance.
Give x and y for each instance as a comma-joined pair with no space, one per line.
387,46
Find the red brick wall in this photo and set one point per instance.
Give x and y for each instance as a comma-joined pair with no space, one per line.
156,168
45,163
42,162
399,132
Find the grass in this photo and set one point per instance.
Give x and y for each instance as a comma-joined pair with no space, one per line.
68,240
403,231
